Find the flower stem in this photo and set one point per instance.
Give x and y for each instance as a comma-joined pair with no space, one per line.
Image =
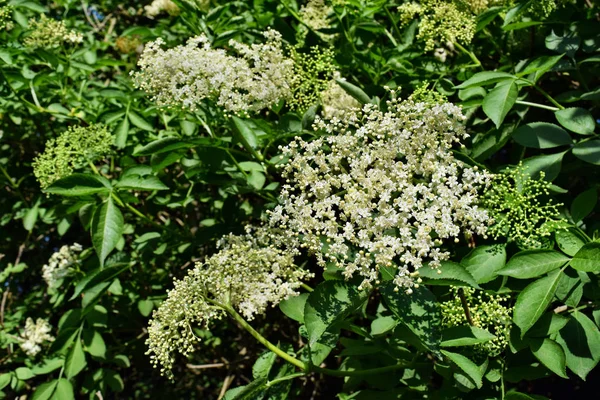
528,103
469,53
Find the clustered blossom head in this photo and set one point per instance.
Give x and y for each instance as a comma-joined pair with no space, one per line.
520,208
73,149
48,33
441,21
336,101
312,73
6,19
315,13
33,335
158,6
255,77
381,189
488,311
59,264
248,273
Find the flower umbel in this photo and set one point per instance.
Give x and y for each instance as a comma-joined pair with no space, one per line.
48,33
158,6
33,335
381,189
59,264
336,101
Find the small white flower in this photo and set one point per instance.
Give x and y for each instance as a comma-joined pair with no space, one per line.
33,335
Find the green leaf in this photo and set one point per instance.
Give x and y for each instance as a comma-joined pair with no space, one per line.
450,272
498,102
418,311
517,396
533,301
533,263
5,379
114,380
580,340
64,390
121,133
354,91
31,216
136,182
540,65
164,145
383,325
245,134
107,228
541,135
551,355
584,204
24,373
467,366
576,119
483,262
549,324
145,307
588,151
263,364
45,390
293,307
140,122
47,366
75,362
563,44
587,258
485,78
464,336
550,164
94,344
97,276
569,241
330,303
79,185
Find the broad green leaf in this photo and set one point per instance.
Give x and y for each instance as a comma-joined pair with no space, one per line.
24,373
255,390
587,258
569,241
483,262
136,182
139,121
79,185
382,325
464,336
293,307
145,307
588,151
121,133
449,272
5,379
331,302
164,145
64,390
256,179
549,324
354,91
98,275
540,65
45,390
551,355
467,366
245,134
31,216
533,263
533,301
75,361
541,135
550,164
576,119
48,366
262,365
584,204
485,78
418,311
570,288
107,228
94,344
580,340
114,380
498,102
563,44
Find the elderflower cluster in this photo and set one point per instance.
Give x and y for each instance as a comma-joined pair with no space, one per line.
255,78
158,6
6,19
487,312
59,264
336,101
73,149
248,273
315,14
441,21
381,189
48,33
520,208
33,335
312,73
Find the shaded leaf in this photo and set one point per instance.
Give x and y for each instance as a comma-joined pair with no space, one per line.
533,301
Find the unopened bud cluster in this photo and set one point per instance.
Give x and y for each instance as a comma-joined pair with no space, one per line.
381,189
48,33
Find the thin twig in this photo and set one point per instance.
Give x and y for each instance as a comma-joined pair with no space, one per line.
4,297
226,383
465,305
206,366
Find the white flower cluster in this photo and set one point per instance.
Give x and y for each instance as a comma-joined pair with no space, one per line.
33,335
381,189
49,33
336,101
158,6
248,273
59,264
315,13
255,78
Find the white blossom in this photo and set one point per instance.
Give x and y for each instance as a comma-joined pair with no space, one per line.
336,101
33,335
59,264
158,6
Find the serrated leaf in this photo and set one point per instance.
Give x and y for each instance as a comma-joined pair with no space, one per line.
541,65
75,361
136,182
533,301
576,119
97,276
77,185
139,121
551,355
330,303
550,164
498,102
293,307
449,272
107,228
464,336
588,151
467,366
533,263
485,78
483,262
541,135
580,340
569,241
587,258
